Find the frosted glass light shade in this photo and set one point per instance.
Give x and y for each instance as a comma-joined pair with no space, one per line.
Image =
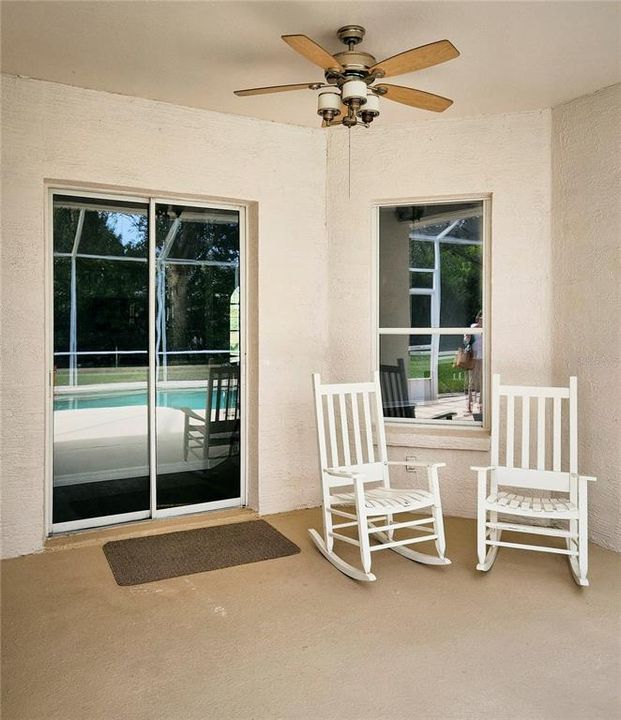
354,90
372,102
329,99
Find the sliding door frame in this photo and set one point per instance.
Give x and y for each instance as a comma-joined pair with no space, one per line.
150,200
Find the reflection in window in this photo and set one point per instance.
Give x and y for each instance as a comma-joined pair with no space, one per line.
431,307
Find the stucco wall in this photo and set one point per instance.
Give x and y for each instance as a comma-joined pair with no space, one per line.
586,330
311,281
52,131
506,155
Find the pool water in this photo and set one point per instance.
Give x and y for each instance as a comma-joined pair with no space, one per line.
192,398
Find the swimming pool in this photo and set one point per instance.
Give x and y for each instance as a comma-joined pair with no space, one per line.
191,398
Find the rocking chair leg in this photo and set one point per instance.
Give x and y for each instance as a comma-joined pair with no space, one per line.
438,525
481,517
579,565
363,532
583,537
338,563
327,526
363,539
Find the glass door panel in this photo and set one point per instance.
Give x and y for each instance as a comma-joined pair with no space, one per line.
197,356
100,419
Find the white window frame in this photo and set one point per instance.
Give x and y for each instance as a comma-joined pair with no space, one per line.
377,331
151,200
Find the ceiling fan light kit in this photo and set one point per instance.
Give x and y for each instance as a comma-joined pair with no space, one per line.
348,96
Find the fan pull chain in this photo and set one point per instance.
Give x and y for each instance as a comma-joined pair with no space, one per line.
349,162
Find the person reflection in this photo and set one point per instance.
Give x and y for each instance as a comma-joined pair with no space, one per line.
475,342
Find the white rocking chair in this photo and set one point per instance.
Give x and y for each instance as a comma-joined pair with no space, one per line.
571,508
355,426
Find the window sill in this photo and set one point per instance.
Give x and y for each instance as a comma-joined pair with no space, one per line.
399,435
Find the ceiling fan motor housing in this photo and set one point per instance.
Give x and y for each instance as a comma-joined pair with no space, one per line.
350,34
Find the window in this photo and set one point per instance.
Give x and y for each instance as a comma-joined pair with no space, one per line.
431,332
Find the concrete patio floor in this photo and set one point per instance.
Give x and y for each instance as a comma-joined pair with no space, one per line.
293,638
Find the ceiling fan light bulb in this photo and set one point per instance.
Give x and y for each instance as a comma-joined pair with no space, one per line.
354,90
329,101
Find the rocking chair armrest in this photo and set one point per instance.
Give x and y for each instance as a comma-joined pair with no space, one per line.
589,478
351,478
485,469
342,473
188,412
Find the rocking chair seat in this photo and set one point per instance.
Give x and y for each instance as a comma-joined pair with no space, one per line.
511,503
378,501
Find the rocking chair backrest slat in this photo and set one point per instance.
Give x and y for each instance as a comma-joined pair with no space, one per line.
359,413
394,386
379,419
557,431
573,425
541,433
525,430
495,418
547,463
367,425
510,419
332,427
319,419
222,398
344,430
356,428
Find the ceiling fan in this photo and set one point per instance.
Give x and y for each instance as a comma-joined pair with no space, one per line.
349,94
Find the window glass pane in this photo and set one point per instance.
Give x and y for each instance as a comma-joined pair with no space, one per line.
112,305
62,303
420,311
100,227
197,234
197,341
100,451
111,233
421,279
445,241
461,284
421,379
65,226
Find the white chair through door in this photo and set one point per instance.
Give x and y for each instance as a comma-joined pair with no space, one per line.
355,482
548,475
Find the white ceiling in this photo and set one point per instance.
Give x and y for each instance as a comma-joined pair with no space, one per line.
514,55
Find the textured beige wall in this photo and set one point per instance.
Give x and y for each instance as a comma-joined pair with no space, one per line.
506,155
53,131
586,282
312,284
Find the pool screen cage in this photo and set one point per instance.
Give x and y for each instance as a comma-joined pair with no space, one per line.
443,236
163,259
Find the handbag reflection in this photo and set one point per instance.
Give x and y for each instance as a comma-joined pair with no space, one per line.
463,358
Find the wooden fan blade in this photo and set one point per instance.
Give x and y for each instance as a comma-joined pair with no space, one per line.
277,89
417,59
312,51
414,98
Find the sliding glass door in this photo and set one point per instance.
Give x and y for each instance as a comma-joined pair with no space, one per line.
197,356
146,401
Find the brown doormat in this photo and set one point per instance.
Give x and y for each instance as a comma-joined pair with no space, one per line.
157,557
